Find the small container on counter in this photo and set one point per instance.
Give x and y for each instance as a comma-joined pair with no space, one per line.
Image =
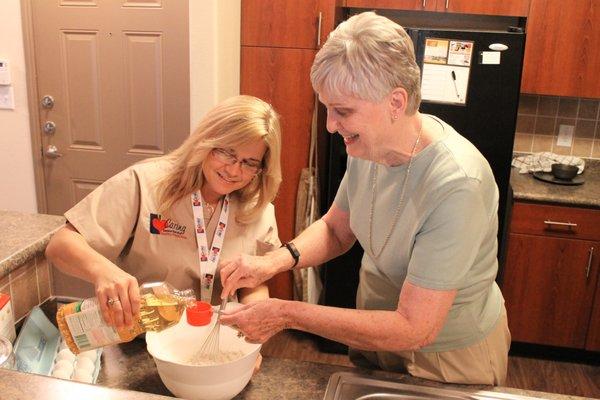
7,357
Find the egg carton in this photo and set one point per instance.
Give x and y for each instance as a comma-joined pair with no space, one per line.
40,349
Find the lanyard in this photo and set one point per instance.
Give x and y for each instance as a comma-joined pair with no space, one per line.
208,260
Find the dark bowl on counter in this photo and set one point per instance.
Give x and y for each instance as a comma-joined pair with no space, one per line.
564,171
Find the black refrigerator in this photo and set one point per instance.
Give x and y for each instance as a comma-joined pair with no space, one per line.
470,79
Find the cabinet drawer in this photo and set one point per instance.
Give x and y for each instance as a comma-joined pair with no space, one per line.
541,219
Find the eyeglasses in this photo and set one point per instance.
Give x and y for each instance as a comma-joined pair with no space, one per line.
250,167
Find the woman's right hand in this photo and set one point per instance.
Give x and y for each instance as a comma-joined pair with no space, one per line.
118,295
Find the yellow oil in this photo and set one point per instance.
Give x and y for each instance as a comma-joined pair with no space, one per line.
158,312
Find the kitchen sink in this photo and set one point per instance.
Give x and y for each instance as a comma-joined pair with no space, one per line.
349,386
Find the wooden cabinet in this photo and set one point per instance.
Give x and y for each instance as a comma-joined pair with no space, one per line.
562,52
551,276
279,42
487,7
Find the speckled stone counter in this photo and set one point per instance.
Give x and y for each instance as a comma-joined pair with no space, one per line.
24,236
526,187
128,373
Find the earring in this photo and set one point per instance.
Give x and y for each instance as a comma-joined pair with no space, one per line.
395,116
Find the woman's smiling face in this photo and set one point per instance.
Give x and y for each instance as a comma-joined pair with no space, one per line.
221,178
361,123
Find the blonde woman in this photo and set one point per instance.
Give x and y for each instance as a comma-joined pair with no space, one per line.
174,217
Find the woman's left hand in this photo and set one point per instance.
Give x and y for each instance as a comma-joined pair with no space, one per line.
258,321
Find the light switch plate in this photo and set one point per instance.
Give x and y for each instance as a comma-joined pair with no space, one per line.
7,98
565,136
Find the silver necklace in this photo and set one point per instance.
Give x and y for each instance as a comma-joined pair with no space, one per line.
397,213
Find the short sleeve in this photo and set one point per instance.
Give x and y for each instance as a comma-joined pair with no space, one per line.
269,240
450,239
341,197
107,217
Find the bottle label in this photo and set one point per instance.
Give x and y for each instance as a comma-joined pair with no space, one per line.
88,327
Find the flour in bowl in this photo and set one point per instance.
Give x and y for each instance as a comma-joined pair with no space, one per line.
220,357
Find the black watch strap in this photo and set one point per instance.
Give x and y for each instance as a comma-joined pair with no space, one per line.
293,251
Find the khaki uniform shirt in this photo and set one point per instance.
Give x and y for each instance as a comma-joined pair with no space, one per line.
115,219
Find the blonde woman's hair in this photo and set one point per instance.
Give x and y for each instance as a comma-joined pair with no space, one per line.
368,56
235,122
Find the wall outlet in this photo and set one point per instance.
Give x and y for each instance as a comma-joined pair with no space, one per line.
565,135
7,98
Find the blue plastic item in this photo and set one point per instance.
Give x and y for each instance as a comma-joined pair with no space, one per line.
35,347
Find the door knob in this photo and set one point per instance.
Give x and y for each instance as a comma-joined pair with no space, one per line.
52,152
47,101
49,127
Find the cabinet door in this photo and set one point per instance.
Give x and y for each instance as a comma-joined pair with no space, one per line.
281,77
276,23
489,7
562,52
548,290
592,341
418,5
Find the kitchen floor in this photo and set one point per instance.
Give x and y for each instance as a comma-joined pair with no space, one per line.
528,367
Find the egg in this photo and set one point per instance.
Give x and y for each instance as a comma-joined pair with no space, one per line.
62,373
64,364
83,376
65,354
85,364
90,354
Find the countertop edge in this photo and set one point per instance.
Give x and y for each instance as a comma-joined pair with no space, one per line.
20,257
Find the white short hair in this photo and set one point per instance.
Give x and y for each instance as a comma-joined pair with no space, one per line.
368,56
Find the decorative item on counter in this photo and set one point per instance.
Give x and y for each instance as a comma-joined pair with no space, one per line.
83,328
40,350
564,171
542,162
7,320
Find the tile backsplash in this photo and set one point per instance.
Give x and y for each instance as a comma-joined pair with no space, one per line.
540,119
28,285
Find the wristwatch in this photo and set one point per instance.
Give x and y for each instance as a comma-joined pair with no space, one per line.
293,251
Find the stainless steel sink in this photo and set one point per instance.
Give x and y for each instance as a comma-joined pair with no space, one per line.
349,386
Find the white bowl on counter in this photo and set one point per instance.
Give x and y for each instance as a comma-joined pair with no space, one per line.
173,348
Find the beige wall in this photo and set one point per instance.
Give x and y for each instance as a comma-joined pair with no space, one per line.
214,66
17,188
214,54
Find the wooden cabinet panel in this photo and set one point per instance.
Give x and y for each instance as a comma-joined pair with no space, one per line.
530,218
419,5
488,7
562,52
276,23
548,296
592,341
281,77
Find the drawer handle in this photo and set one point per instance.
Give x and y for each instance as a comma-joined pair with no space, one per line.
589,265
569,224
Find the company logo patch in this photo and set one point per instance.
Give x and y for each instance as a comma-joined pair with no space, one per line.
159,226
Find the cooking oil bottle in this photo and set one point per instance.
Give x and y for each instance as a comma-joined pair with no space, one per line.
83,328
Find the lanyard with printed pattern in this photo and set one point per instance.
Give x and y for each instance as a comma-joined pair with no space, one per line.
208,260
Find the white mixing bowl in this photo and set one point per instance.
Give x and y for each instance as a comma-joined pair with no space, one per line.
173,347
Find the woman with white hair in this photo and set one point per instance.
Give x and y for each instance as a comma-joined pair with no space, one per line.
171,218
422,202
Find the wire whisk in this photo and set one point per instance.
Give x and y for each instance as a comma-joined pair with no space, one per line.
210,348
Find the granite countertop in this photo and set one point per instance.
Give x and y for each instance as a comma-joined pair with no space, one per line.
526,187
128,373
24,236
